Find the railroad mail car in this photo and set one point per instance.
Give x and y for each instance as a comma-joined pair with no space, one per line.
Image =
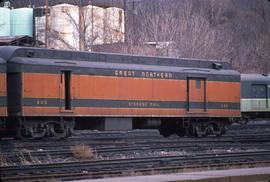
255,99
3,93
51,90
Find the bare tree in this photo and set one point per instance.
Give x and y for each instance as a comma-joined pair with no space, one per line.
262,49
234,31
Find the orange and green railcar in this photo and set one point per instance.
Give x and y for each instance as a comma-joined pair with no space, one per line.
56,90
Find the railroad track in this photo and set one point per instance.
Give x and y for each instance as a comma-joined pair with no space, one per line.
39,148
15,157
90,138
112,146
120,147
163,142
99,168
34,145
155,147
250,128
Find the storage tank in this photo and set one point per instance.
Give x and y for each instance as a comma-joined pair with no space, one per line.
114,25
94,17
21,21
4,21
64,20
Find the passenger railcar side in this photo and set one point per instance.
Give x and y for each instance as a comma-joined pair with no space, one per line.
50,91
255,99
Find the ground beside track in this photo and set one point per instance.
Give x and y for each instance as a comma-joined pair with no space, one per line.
230,175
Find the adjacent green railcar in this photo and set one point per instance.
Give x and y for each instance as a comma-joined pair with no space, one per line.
255,99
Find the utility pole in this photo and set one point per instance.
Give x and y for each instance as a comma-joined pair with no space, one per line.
125,20
92,27
46,22
81,27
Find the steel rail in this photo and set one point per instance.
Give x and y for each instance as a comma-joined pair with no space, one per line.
131,163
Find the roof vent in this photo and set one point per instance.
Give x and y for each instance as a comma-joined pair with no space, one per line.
217,66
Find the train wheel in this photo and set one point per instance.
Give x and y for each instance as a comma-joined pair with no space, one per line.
244,119
200,130
59,131
62,129
217,129
21,131
37,130
190,130
70,129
